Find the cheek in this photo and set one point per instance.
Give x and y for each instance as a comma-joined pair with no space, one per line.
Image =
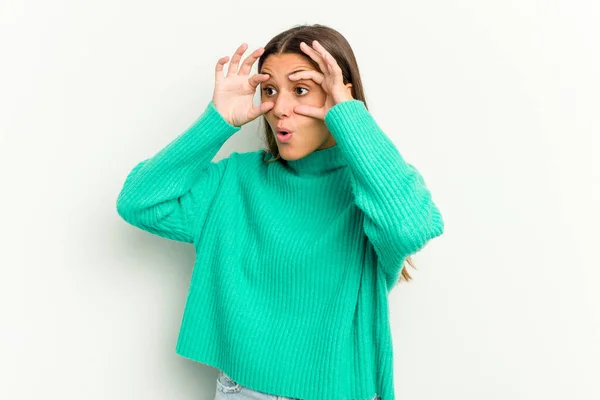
315,127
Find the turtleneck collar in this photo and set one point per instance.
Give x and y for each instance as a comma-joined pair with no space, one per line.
318,162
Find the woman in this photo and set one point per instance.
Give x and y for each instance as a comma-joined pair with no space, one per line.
297,245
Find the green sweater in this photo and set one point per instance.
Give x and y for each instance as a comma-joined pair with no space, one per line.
294,259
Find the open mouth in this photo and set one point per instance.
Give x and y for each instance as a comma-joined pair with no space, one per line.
284,136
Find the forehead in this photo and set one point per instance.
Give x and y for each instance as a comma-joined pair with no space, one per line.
284,64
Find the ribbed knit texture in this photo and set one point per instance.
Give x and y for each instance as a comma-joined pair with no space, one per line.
294,259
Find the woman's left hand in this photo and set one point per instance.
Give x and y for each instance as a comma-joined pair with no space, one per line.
331,81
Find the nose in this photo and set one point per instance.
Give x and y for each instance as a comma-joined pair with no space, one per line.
284,105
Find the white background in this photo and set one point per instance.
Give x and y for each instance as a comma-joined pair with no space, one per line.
496,103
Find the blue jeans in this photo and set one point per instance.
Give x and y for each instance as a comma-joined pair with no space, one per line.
228,389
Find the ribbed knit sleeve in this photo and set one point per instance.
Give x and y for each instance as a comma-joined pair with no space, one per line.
169,194
400,215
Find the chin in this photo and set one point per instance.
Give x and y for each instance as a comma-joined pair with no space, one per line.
290,153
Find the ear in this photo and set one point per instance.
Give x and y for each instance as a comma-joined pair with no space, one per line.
349,87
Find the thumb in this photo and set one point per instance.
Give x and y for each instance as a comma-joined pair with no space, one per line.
261,109
309,111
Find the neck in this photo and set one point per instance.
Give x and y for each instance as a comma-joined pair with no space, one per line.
318,161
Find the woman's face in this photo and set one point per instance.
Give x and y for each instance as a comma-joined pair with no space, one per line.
308,133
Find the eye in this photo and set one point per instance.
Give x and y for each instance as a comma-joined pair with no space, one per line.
296,88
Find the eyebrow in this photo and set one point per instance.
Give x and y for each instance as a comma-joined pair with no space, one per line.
293,72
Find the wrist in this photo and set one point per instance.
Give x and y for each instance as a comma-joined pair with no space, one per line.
342,97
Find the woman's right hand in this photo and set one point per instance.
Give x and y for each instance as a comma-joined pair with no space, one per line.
234,93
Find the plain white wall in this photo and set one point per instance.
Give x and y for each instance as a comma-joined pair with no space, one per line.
496,103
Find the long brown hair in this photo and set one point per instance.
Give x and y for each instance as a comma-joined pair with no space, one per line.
337,45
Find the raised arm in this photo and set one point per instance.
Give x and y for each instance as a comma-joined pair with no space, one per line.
168,194
400,215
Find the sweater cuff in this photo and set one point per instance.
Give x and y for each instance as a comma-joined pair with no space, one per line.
222,124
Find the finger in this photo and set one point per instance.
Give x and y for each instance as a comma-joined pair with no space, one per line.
312,53
250,60
324,53
255,79
233,66
332,63
310,111
219,68
308,74
261,109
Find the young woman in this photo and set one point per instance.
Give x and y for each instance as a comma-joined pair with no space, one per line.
298,244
